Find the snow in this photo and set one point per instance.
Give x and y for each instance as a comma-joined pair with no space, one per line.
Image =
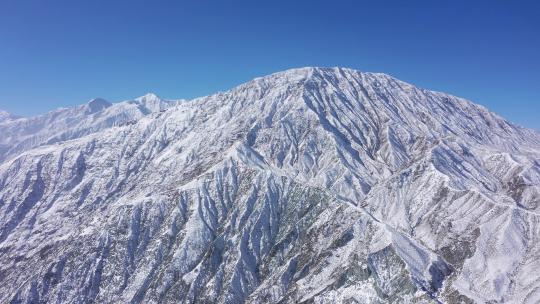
322,184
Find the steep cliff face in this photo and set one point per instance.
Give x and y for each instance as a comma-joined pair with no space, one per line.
310,185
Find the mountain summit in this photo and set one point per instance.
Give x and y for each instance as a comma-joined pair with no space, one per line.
6,115
316,185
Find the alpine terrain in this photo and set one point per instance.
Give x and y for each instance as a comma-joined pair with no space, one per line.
313,185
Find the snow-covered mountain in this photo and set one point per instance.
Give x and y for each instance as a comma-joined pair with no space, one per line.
21,134
316,185
4,116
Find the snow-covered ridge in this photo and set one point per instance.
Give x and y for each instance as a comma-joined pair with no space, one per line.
7,116
322,185
64,124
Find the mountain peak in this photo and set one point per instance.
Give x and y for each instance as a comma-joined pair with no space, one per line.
294,76
97,104
7,115
311,71
4,113
148,97
299,73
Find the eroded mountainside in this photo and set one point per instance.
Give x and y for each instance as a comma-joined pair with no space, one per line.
316,185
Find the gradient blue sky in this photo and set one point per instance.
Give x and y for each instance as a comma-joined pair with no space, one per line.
62,53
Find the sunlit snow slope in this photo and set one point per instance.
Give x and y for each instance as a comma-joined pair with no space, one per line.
316,185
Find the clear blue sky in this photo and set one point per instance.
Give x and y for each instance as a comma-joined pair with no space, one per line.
62,53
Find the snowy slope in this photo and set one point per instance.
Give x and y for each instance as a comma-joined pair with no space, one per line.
320,185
